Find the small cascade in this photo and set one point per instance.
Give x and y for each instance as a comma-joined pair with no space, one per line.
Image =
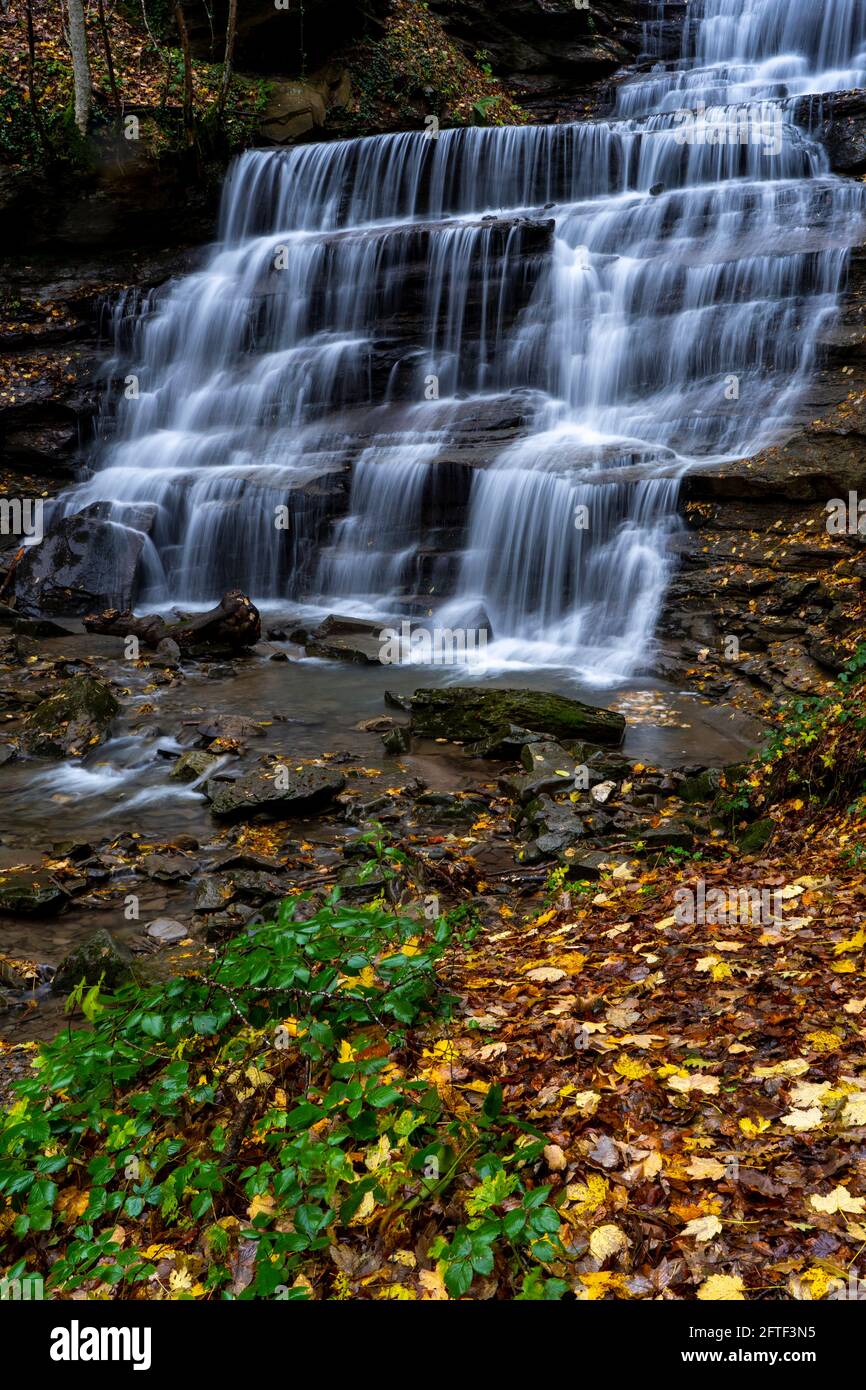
466,373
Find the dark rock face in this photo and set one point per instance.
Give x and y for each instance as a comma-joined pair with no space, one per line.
838,120
464,713
84,563
268,792
546,49
71,722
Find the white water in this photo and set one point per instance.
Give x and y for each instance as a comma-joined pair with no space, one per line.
674,318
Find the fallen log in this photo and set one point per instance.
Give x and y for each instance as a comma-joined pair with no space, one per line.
235,622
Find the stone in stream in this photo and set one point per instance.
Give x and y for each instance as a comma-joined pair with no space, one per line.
346,639
275,791
30,893
504,743
192,765
101,956
166,931
548,769
85,562
71,721
397,740
469,714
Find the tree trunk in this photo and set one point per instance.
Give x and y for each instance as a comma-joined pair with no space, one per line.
231,32
31,81
234,623
109,60
188,124
80,63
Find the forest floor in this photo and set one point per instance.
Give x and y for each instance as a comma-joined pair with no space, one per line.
637,1083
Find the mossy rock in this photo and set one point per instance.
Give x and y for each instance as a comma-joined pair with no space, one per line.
759,834
70,722
192,765
99,957
30,893
467,714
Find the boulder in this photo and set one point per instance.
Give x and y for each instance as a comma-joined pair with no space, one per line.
85,562
271,792
70,722
192,765
30,893
99,957
347,639
472,714
166,931
759,833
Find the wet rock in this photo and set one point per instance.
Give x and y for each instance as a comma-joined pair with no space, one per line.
380,724
673,835
360,883
39,628
166,931
397,740
759,834
469,714
396,701
85,563
276,793
701,787
602,792
168,868
72,721
167,653
556,826
230,726
346,639
190,766
436,808
548,769
101,956
505,743
213,893
30,893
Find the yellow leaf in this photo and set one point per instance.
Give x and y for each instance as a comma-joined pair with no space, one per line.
754,1126
722,1288
587,1196
706,1168
607,1241
697,1082
803,1119
839,1199
262,1202
629,1068
347,1052
703,1228
855,1110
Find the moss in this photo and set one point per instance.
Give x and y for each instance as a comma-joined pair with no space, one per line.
465,713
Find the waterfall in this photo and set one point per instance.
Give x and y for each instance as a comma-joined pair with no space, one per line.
471,368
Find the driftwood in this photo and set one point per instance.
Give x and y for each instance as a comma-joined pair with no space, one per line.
235,622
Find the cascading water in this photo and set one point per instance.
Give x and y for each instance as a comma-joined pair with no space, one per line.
620,298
